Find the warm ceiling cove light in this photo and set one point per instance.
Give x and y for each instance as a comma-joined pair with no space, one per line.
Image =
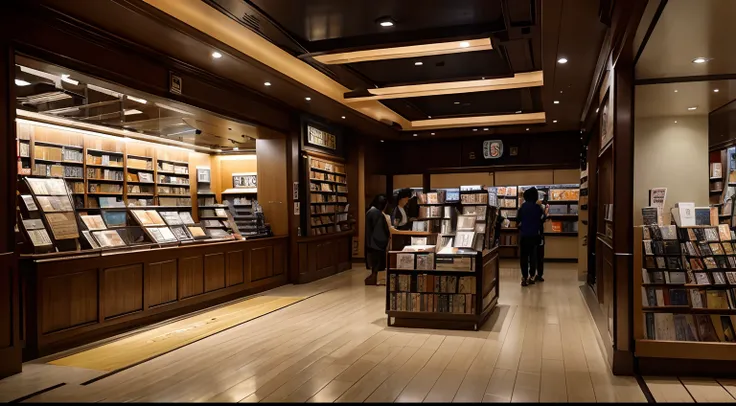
137,99
562,60
216,55
701,59
464,44
692,108
418,63
267,84
404,52
19,82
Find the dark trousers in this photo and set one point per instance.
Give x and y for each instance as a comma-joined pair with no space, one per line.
540,258
376,260
529,247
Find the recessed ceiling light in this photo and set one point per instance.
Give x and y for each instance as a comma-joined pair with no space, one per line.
381,140
137,99
557,102
429,116
415,134
419,63
464,44
475,129
554,121
19,82
715,90
343,117
457,102
692,108
598,109
560,91
267,84
431,134
307,98
701,59
527,129
518,111
675,121
675,90
216,55
562,60
485,129
385,22
65,78
235,148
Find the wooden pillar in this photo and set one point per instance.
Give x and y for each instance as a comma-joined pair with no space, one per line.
10,334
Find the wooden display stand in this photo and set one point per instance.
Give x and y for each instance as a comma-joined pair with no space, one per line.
485,273
664,357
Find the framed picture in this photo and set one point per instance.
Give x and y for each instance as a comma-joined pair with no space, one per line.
203,175
245,180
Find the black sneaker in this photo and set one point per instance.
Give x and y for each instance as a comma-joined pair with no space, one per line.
523,282
531,281
539,278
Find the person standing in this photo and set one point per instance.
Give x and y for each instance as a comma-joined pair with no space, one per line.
529,218
399,219
376,238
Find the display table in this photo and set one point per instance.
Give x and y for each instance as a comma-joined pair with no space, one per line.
71,300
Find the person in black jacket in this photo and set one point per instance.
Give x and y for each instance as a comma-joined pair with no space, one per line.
376,238
529,217
399,218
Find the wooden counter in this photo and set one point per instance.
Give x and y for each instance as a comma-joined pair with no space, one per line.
324,255
70,301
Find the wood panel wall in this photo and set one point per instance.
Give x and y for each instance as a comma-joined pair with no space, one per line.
74,301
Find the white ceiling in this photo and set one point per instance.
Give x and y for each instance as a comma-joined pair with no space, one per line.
688,29
661,100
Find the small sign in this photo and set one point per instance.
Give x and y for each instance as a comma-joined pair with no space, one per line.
471,155
492,149
245,180
514,151
320,138
174,83
297,209
295,191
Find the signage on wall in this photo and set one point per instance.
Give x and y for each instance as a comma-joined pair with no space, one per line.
514,151
295,191
320,138
297,209
492,149
174,83
245,180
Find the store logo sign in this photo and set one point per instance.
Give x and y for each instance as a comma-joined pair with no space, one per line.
492,149
174,83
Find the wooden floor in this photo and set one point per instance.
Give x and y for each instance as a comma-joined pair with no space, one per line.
539,345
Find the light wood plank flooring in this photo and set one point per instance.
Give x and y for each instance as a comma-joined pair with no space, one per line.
539,345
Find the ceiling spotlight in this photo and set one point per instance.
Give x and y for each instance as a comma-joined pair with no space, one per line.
19,82
216,55
431,134
675,121
485,129
414,134
554,121
307,98
475,129
385,22
527,129
267,84
381,140
464,44
692,108
701,59
429,116
457,102
137,99
557,102
419,63
343,117
65,78
562,60
675,90
715,90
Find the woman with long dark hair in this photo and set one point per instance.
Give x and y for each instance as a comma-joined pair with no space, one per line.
376,238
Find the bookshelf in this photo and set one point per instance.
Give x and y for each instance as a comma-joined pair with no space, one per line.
507,203
686,308
722,182
327,196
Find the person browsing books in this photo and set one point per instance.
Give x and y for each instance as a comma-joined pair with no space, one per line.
399,219
529,218
376,238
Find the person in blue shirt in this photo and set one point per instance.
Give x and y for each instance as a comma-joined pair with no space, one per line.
530,218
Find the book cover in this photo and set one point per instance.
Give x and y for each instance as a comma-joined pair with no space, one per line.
678,297
719,278
729,334
93,222
678,277
701,278
424,261
687,213
716,299
724,233
63,225
405,261
702,216
664,324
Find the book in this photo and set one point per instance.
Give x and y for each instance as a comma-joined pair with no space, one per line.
29,203
464,239
405,261
716,170
425,261
418,240
108,238
687,214
702,216
186,217
172,218
90,240
93,222
63,225
466,222
197,232
650,215
724,233
706,331
664,325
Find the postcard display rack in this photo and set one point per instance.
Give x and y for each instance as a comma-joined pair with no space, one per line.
327,196
685,292
448,276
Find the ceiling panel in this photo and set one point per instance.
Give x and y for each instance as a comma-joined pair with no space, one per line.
675,99
687,30
509,101
470,65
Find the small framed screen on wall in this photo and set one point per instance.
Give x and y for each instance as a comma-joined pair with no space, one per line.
203,175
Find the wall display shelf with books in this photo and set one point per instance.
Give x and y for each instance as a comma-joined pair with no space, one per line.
327,196
433,287
722,182
685,285
506,199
